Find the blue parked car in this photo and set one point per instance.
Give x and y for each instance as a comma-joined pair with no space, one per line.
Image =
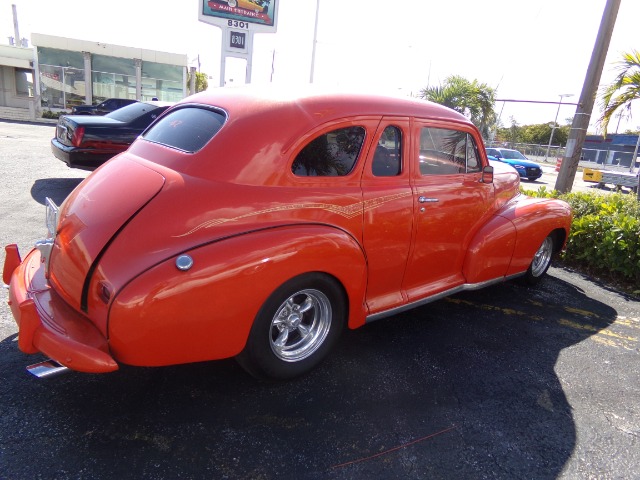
525,167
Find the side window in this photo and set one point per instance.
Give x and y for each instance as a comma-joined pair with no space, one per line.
387,159
332,154
446,152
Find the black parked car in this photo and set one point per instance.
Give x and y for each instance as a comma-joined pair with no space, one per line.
87,142
109,105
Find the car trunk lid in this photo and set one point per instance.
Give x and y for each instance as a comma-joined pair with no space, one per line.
90,218
70,129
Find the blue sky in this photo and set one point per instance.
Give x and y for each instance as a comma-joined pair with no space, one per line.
528,50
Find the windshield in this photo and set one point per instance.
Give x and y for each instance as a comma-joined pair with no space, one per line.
513,155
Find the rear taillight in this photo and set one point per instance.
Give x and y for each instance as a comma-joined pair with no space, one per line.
78,133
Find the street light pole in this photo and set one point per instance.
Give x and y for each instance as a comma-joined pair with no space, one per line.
553,129
315,41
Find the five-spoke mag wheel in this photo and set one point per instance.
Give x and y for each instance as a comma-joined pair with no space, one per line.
541,261
295,328
301,325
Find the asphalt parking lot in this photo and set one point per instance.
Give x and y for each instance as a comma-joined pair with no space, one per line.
510,382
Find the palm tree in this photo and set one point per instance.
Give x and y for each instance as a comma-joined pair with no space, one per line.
473,99
624,89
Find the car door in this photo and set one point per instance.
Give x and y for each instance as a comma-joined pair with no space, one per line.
450,204
387,213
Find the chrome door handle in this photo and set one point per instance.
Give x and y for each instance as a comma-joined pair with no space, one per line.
427,200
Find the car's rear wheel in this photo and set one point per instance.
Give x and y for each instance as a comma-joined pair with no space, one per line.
541,261
295,328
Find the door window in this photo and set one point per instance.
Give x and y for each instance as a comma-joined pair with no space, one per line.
332,154
445,152
387,159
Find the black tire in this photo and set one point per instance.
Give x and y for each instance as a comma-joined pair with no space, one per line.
295,328
540,262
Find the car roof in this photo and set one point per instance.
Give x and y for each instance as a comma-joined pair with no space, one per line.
263,124
319,105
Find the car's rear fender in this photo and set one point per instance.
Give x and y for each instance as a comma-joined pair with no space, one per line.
167,316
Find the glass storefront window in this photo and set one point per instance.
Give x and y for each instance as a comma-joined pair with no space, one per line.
61,87
163,90
62,58
62,79
112,85
162,81
124,66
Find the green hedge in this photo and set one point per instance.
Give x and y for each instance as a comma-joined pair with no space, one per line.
51,114
605,233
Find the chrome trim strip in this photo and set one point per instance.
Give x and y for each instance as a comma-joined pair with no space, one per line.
438,296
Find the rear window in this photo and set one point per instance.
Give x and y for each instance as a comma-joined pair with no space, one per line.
188,129
131,112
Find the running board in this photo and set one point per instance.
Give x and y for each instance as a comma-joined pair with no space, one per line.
48,368
439,296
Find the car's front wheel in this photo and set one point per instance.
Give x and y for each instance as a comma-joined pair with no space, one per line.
541,261
295,328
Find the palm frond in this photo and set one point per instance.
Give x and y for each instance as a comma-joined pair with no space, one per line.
625,88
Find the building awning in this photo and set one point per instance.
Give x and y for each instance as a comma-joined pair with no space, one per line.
15,62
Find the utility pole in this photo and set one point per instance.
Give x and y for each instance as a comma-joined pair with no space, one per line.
587,99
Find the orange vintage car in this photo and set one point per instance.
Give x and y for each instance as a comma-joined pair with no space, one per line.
258,224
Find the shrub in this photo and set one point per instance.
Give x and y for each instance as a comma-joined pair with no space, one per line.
51,114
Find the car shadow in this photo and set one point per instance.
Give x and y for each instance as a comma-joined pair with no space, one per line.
462,388
55,188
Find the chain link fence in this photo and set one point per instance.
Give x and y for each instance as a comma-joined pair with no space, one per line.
615,160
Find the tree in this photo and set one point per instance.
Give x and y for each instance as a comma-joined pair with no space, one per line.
473,99
202,83
512,134
540,133
619,95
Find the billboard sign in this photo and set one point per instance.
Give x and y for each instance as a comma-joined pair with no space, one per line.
254,15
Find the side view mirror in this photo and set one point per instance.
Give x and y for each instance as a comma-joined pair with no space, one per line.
487,175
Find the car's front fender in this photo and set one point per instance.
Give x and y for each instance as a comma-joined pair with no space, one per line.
168,316
506,244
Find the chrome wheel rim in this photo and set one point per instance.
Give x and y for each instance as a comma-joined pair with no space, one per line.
300,325
542,258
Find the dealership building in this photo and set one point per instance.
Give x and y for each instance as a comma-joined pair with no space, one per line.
57,73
